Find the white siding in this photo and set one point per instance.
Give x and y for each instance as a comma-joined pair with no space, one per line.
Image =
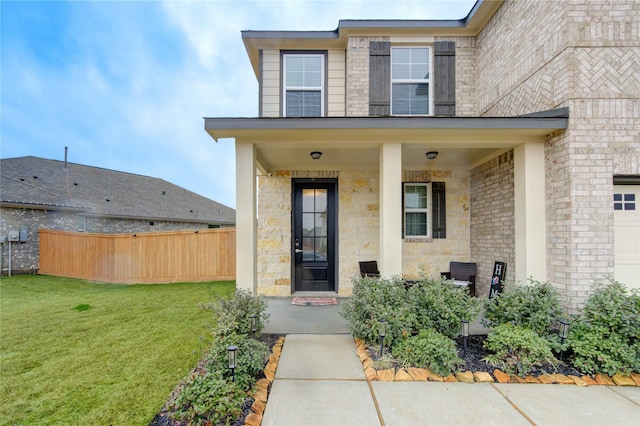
271,83
336,84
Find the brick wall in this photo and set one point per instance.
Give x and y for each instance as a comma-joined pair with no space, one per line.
540,55
358,222
492,219
358,75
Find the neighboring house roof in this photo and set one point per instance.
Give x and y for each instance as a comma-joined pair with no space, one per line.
41,183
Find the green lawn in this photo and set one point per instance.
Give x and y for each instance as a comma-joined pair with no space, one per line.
75,352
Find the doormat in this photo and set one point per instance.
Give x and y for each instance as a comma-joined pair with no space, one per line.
314,301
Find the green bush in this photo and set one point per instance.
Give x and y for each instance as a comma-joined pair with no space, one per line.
535,307
516,349
606,337
374,299
233,316
597,350
429,349
251,355
208,398
613,306
441,306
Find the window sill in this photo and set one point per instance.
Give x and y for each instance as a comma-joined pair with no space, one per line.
418,240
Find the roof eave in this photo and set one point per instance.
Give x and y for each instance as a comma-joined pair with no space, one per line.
470,25
236,127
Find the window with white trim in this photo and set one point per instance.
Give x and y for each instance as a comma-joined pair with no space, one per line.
303,85
410,80
624,201
417,210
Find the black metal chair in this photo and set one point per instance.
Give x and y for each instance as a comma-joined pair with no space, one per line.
369,269
462,274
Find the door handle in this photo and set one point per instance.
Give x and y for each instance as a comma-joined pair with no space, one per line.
298,251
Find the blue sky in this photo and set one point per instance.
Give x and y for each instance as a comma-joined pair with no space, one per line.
125,84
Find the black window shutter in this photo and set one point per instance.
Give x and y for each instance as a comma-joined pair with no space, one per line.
439,211
444,78
379,78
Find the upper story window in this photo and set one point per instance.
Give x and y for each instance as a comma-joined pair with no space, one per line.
303,85
410,80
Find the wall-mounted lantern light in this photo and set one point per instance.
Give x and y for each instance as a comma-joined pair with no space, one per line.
316,155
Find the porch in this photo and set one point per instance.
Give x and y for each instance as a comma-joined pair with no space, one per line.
493,170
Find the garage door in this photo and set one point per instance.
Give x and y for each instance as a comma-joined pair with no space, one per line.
626,216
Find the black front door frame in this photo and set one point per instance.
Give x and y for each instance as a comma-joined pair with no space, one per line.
296,236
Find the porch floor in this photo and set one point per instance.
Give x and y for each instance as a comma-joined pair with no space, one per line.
286,318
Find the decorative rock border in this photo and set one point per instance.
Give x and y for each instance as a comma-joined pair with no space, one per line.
424,374
260,391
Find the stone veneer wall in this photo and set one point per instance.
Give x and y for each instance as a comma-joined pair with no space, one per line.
358,233
492,219
358,227
274,234
25,256
432,256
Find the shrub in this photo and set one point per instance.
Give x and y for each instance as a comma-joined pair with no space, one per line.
208,398
597,350
429,349
440,305
606,337
251,358
233,316
613,306
374,299
517,349
535,307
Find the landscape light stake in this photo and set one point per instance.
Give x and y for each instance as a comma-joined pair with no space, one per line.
232,350
383,332
564,333
465,335
254,324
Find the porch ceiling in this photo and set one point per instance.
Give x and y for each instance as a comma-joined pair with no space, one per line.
354,142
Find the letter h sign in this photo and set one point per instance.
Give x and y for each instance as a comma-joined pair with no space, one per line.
499,270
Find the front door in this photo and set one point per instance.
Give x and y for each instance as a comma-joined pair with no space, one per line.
314,235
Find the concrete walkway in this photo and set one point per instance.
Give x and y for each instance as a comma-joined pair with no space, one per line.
320,381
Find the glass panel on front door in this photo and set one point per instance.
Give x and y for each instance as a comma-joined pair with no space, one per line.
314,225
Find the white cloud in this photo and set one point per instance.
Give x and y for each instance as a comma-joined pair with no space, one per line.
125,84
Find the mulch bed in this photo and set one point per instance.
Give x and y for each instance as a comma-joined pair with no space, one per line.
164,418
475,353
472,358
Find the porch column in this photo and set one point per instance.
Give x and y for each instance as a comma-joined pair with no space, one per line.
391,209
246,218
530,222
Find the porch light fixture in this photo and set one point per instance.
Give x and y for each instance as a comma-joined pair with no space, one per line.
383,332
431,155
232,350
316,155
465,335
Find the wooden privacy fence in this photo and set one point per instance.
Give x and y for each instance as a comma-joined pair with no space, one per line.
151,257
